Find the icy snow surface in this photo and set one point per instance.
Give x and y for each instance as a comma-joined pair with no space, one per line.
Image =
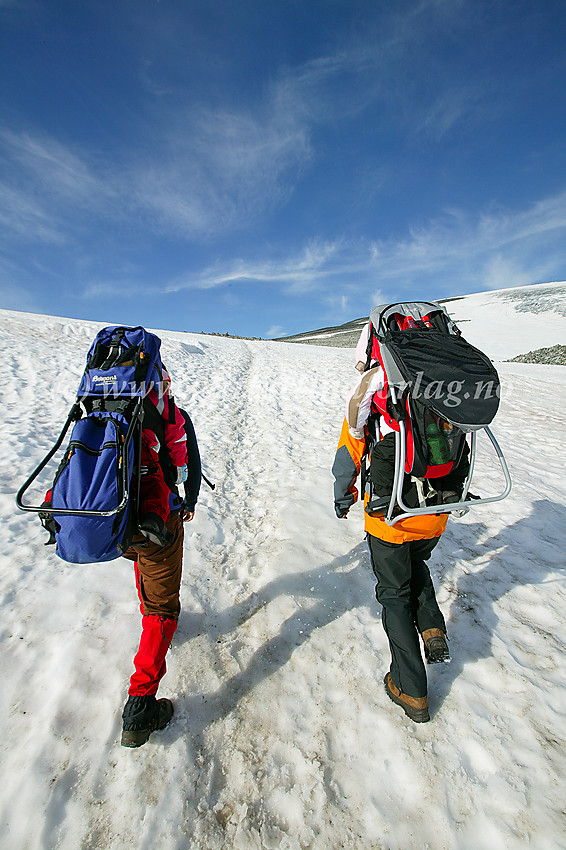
283,736
513,321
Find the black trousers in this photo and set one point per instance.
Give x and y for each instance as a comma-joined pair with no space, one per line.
405,590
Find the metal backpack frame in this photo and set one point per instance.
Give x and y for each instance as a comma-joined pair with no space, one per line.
460,508
123,461
107,353
397,390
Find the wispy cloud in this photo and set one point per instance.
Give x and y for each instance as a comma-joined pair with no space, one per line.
53,165
199,171
26,218
466,247
119,287
207,173
275,331
296,274
215,170
13,296
47,187
457,253
448,109
220,170
383,68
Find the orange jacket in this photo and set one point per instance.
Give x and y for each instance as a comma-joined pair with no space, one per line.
346,468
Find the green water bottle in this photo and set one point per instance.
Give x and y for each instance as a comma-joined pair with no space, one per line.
437,444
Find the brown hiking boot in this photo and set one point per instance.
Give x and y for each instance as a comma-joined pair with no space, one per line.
435,646
416,708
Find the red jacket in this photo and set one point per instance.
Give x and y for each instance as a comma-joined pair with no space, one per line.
175,434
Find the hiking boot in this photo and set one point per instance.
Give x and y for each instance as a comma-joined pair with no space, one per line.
143,715
416,708
435,646
153,527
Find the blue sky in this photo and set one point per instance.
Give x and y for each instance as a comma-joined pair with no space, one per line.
265,167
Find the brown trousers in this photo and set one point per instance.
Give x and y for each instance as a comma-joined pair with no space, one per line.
158,572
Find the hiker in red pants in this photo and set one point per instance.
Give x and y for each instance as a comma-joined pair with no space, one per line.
158,570
158,580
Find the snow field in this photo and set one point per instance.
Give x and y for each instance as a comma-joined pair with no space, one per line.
283,736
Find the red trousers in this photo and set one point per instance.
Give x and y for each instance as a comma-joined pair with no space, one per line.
158,579
149,661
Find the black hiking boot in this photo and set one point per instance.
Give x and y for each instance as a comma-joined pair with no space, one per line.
153,527
416,708
143,715
435,646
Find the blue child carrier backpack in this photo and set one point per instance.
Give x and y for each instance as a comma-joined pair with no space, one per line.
91,509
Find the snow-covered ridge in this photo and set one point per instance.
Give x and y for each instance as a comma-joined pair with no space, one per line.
514,321
503,322
283,736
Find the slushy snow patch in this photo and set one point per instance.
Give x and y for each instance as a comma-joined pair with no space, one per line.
283,736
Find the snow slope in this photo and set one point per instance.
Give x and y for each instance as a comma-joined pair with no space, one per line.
283,736
503,323
508,322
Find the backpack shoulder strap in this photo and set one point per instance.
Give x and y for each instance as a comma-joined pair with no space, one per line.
369,346
152,419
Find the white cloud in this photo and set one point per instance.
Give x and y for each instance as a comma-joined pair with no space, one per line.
198,171
297,274
13,296
205,173
448,108
63,173
25,217
378,297
47,188
214,171
275,331
454,253
459,252
52,165
384,67
117,287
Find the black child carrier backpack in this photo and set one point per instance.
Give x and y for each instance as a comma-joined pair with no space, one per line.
439,392
91,508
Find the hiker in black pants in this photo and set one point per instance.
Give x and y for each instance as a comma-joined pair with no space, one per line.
404,586
405,590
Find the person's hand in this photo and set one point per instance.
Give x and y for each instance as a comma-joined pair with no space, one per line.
187,515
